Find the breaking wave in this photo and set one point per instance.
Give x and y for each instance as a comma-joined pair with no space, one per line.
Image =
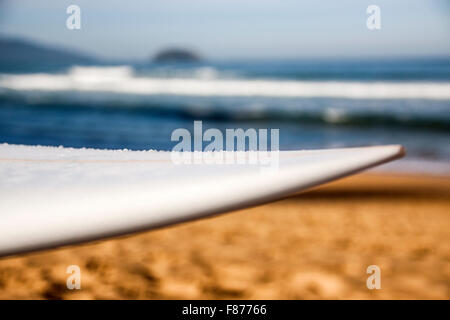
124,80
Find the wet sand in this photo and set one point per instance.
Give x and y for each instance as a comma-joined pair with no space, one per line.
312,245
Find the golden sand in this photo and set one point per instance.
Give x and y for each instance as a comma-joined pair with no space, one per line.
313,245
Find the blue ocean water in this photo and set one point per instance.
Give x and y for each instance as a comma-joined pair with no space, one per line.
315,104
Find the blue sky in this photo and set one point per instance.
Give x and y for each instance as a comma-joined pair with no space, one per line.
231,29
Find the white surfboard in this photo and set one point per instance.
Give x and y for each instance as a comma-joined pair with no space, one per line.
58,196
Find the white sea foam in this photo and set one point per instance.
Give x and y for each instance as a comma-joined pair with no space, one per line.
123,80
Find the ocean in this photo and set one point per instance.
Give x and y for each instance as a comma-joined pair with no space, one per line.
314,104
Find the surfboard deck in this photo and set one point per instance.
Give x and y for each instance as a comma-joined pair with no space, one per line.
54,196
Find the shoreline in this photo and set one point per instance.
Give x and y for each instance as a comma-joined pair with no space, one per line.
415,166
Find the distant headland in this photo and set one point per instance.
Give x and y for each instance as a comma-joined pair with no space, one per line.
25,55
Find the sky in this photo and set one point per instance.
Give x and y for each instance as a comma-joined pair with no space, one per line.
235,29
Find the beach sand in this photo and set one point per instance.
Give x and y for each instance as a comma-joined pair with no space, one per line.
313,245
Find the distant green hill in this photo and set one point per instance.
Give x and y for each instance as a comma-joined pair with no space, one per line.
23,55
